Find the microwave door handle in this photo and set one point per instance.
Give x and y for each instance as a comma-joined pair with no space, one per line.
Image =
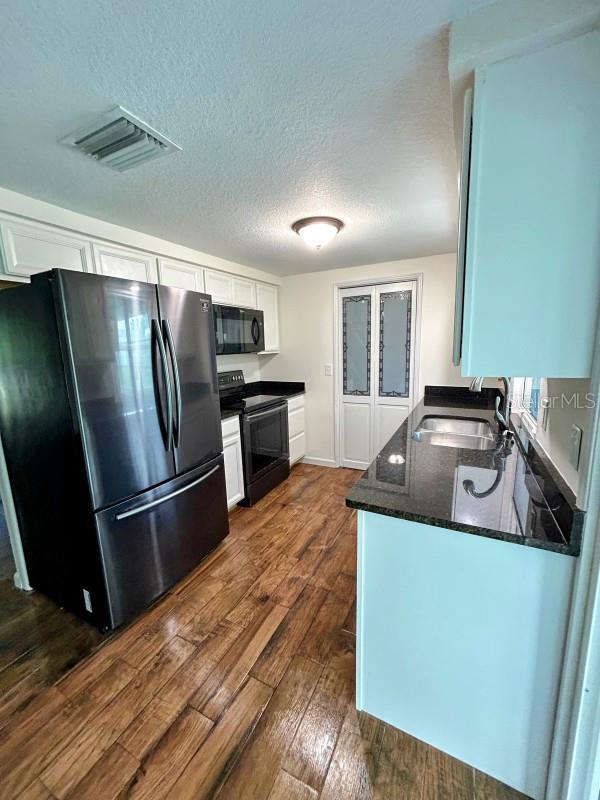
171,347
166,429
255,328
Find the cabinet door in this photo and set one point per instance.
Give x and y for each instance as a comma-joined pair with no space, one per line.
297,448
244,293
267,299
120,263
179,275
28,249
234,472
219,286
533,235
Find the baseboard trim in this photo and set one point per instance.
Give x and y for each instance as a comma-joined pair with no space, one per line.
319,462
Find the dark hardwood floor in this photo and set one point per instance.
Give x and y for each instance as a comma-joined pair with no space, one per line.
239,684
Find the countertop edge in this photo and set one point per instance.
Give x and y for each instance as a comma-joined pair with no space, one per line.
572,549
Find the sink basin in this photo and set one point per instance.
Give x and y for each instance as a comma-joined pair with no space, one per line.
470,433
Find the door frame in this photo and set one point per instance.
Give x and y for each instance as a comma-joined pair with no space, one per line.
574,772
417,279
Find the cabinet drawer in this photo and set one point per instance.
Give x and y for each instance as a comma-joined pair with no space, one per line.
296,422
230,426
296,402
297,448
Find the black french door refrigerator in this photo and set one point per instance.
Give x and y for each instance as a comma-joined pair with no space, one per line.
111,430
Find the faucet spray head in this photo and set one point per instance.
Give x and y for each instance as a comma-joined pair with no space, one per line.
476,384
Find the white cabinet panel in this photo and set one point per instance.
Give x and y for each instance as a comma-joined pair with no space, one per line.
297,448
296,422
296,429
180,275
244,293
267,299
219,286
28,249
232,455
121,263
356,434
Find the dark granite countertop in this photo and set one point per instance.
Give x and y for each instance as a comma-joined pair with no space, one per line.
525,499
283,388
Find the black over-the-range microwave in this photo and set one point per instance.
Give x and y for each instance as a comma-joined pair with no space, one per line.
238,330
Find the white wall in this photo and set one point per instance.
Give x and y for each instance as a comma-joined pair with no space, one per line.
563,413
250,364
307,336
31,209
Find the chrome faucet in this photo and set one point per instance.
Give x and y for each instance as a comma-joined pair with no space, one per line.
501,412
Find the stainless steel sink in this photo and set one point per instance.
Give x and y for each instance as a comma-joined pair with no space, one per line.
470,433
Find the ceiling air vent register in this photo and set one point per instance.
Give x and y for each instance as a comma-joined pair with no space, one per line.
121,141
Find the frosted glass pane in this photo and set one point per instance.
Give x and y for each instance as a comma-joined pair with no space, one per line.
357,344
394,344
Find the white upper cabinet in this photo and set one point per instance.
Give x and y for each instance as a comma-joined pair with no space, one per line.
121,263
244,292
532,277
219,285
267,299
27,249
180,275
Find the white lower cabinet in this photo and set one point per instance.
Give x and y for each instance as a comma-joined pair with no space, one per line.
27,249
296,428
180,275
119,262
232,454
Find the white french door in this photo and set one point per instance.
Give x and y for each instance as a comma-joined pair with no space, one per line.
376,366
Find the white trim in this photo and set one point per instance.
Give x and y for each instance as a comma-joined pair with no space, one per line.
574,772
360,546
21,578
418,279
319,462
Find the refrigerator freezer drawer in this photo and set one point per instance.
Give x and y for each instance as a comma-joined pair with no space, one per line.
150,542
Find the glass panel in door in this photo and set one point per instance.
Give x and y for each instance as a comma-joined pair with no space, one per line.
117,383
394,343
187,325
356,333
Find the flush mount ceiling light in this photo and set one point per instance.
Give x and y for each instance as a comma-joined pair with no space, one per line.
121,141
317,231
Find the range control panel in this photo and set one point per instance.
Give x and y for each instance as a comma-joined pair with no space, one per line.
234,379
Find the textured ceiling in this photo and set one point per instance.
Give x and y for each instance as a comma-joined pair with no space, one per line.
284,110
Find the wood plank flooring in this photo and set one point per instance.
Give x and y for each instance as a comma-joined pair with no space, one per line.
238,684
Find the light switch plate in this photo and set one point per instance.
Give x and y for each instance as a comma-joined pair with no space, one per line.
575,450
329,369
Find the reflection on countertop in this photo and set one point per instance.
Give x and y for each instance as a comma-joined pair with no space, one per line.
509,492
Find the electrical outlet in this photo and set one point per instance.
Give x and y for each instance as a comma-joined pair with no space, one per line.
575,450
329,369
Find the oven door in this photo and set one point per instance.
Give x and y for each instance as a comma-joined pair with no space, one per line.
238,330
266,441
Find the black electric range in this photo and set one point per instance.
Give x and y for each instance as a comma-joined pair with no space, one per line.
264,430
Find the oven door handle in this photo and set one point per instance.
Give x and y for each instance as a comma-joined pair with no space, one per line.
275,410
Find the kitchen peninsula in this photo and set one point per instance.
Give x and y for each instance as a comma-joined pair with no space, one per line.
465,567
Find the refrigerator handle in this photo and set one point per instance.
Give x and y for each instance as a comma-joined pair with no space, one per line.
171,346
146,506
166,429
